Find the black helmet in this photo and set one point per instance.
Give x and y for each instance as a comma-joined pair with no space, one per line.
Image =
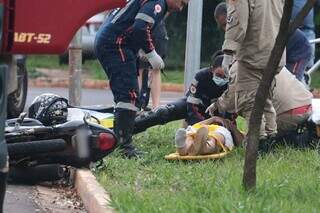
49,109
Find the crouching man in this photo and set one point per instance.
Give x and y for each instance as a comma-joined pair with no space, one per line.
292,102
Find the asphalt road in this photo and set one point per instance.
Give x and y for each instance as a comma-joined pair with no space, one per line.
93,96
24,199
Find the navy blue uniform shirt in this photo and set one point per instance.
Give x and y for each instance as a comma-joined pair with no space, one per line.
132,25
202,92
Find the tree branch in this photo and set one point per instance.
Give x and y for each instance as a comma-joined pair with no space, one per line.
249,175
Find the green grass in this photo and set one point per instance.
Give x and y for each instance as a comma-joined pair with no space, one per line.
288,180
92,67
173,76
315,83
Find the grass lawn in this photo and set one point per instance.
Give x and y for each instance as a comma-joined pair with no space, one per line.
92,67
288,180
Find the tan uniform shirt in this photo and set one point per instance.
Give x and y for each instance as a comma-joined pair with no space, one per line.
252,27
289,93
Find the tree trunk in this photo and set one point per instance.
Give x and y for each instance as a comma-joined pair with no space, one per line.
249,175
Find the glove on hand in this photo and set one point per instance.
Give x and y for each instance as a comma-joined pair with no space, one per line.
212,108
142,56
155,60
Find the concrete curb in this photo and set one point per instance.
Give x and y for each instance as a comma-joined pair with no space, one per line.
91,84
92,194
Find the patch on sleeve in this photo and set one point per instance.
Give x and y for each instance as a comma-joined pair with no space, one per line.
193,89
230,19
157,8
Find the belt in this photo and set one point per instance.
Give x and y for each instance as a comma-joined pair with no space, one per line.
300,110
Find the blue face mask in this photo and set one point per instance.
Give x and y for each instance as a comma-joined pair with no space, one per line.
220,81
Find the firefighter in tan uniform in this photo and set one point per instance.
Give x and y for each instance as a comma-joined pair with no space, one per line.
291,100
252,27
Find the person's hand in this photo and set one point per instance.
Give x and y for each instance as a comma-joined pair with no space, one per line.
155,60
142,56
226,63
212,108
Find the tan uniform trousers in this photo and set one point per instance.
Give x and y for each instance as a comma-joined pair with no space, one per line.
289,122
247,83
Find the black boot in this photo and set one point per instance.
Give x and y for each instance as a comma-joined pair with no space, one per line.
268,144
3,183
123,129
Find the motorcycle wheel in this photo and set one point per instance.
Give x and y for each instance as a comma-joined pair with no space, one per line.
17,99
35,147
32,175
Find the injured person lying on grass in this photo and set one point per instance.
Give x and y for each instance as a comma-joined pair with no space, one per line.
211,136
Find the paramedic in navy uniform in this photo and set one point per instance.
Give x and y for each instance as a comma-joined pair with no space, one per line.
124,32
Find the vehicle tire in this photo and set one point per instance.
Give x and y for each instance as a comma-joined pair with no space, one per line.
35,147
64,58
32,175
17,99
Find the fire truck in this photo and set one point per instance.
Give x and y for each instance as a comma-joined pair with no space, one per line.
36,27
39,27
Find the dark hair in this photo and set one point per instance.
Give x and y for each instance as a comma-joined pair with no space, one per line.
216,53
221,9
217,61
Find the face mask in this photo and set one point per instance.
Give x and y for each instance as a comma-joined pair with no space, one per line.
220,81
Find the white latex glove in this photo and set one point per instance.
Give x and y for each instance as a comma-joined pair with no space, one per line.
212,108
226,63
142,55
155,60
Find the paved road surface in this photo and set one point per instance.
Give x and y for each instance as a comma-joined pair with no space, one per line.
93,96
24,199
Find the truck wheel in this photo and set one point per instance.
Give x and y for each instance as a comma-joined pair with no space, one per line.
64,58
17,99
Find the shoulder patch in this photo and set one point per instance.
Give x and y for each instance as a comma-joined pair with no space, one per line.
157,8
229,19
193,89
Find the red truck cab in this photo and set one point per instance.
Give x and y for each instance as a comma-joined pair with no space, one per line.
46,26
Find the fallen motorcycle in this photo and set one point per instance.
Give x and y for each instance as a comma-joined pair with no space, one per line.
36,151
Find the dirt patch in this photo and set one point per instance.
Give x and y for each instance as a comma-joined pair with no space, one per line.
59,196
59,199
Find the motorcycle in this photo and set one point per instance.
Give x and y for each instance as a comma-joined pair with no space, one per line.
37,152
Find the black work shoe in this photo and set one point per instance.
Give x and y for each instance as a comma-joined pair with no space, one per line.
267,144
129,151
